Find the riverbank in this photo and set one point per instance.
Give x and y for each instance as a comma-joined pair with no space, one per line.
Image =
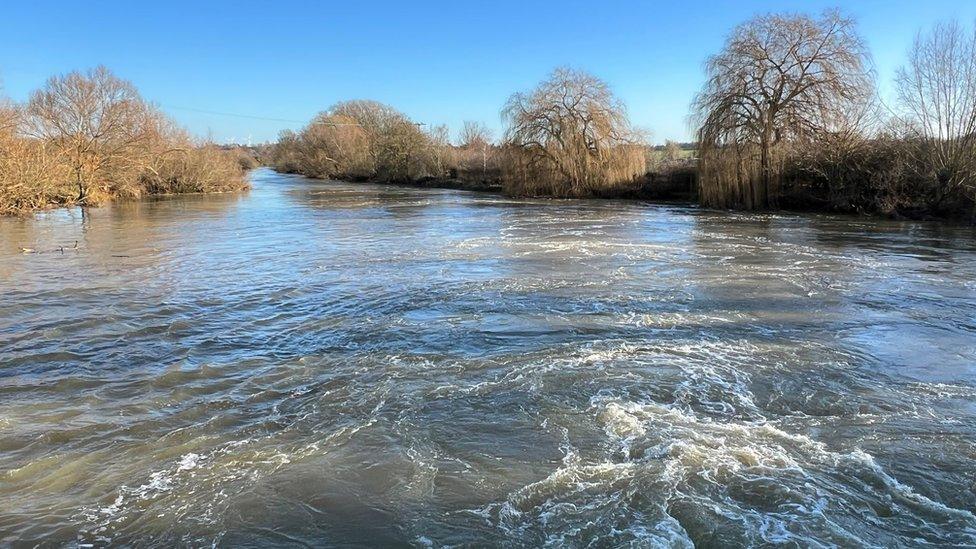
201,170
677,187
672,187
62,195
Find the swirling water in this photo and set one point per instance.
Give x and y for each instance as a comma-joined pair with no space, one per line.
329,364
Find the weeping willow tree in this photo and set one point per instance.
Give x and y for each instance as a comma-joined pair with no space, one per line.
570,137
779,81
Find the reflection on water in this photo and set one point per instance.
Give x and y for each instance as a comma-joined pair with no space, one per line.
336,364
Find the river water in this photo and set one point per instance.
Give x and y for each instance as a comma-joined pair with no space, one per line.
330,364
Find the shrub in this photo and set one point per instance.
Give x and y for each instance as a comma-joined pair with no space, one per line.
358,140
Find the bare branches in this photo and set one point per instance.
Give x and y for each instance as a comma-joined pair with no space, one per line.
778,81
476,138
95,120
360,139
570,136
474,135
87,137
937,93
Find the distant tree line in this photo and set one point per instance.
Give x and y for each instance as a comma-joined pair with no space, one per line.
87,137
568,137
789,116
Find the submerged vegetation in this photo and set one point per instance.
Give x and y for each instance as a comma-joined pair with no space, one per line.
85,138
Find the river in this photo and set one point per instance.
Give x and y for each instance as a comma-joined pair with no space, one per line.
330,364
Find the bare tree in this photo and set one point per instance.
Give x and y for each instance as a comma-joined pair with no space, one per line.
97,121
29,177
9,117
286,154
779,79
441,151
571,137
476,137
86,137
937,92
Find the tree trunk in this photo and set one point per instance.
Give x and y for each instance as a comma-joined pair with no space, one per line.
762,198
81,186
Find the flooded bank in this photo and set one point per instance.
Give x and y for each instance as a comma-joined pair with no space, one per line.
336,364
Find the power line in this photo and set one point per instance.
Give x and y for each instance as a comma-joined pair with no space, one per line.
218,113
252,117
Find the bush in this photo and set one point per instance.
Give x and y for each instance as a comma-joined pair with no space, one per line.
201,169
359,140
885,175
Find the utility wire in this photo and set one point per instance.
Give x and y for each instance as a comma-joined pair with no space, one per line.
218,113
251,117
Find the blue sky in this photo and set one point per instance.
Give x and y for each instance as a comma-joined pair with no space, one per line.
440,62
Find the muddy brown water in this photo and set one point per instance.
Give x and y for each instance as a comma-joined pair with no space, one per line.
329,364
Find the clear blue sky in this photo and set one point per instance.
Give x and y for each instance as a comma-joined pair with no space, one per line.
440,62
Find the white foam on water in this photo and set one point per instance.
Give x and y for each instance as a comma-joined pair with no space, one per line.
669,453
